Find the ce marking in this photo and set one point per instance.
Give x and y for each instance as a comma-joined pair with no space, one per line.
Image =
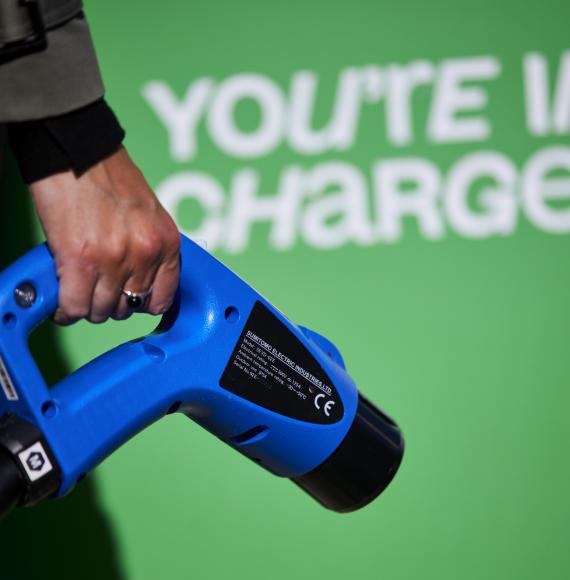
327,406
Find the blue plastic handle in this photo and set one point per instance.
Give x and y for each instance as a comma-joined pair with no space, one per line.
101,405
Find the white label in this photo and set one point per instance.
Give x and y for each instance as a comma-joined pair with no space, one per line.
35,461
7,384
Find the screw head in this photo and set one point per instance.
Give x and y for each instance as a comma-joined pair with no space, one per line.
25,295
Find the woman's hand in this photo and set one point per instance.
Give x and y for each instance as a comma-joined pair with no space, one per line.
107,232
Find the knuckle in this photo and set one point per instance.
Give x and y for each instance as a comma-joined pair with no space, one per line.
148,246
93,253
174,238
87,252
115,250
75,268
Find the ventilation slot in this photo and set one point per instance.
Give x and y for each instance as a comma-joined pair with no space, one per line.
251,435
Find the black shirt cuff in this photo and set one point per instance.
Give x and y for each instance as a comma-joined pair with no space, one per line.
76,140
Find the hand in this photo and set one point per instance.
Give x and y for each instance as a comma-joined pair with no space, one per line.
107,232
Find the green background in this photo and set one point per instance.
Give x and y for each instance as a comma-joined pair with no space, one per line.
465,342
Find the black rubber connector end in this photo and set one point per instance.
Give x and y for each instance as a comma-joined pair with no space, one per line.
362,466
12,487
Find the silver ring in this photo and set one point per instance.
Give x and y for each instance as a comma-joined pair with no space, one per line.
136,299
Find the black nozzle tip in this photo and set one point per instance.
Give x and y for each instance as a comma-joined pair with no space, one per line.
363,464
12,486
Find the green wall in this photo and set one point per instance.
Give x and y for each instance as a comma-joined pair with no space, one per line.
425,233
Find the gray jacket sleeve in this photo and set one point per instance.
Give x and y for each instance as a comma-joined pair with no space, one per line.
59,79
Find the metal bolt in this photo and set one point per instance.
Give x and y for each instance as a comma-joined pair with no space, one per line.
25,295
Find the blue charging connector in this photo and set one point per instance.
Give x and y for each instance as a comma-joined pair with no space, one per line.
224,356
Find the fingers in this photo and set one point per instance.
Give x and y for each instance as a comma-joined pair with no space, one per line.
167,276
165,285
76,289
134,269
160,278
91,281
105,298
107,232
92,288
140,281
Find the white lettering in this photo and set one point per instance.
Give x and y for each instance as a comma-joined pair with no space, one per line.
451,98
180,118
402,81
221,118
207,191
539,188
394,200
498,201
342,194
246,208
540,118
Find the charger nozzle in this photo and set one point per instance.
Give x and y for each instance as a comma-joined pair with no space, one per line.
363,464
